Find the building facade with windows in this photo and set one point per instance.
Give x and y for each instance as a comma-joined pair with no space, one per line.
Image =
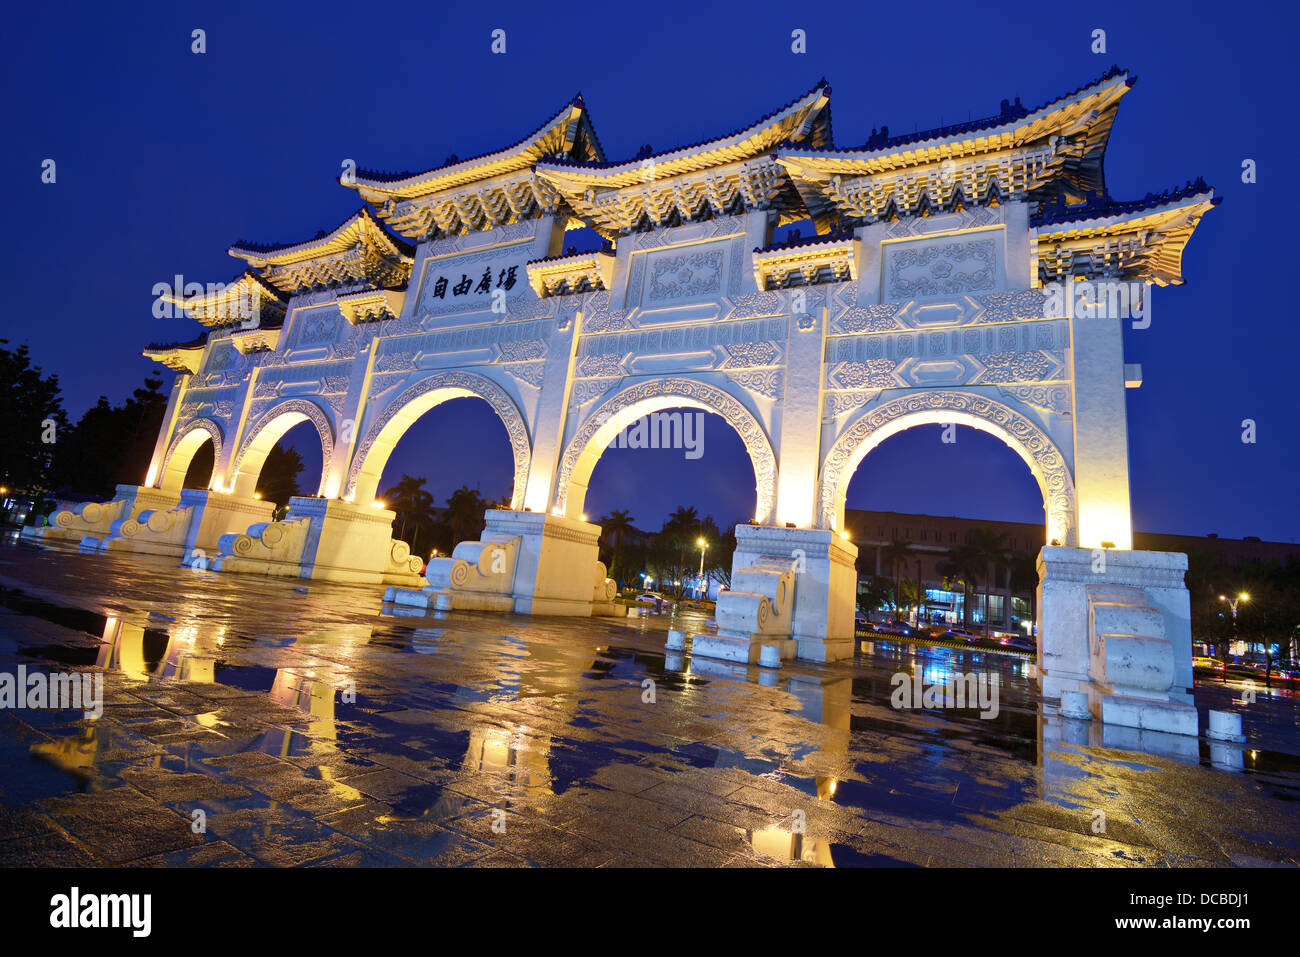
932,538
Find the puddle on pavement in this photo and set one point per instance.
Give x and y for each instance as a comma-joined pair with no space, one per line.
385,723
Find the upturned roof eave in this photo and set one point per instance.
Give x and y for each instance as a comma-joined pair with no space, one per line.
514,158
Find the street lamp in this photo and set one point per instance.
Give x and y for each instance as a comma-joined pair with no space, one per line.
1232,603
703,546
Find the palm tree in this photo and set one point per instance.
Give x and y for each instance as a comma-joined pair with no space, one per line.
966,565
617,524
414,507
278,481
1024,578
465,514
681,528
896,554
988,546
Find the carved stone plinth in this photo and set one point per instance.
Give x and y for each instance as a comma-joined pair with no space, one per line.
95,519
326,540
1116,626
792,593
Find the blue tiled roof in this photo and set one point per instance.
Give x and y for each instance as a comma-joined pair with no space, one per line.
379,176
796,239
820,85
1099,207
881,140
405,247
164,346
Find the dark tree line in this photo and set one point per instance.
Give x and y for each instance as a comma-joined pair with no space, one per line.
670,556
43,456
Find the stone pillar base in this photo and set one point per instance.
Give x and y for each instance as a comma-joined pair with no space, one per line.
325,540
95,519
190,530
793,595
525,562
1116,626
556,566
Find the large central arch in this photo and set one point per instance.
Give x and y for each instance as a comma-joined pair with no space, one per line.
624,408
400,414
1045,461
268,430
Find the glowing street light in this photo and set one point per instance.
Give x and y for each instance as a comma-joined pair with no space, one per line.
1232,603
703,547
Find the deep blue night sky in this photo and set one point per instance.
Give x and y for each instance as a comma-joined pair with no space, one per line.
165,158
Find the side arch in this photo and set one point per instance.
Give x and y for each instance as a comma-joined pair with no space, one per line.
400,414
269,429
624,408
187,440
1039,452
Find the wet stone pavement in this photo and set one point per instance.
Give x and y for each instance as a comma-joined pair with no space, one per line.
251,721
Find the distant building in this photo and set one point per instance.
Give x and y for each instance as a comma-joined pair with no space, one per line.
932,536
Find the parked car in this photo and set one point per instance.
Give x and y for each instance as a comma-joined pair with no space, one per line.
1020,642
961,634
895,628
1205,663
860,620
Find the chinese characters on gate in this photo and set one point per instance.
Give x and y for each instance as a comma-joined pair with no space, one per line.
505,280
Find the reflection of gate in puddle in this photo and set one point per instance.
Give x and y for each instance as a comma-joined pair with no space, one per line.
520,757
74,754
124,650
783,845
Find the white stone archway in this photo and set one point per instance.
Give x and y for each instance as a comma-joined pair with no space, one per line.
189,438
267,431
617,413
401,413
1049,467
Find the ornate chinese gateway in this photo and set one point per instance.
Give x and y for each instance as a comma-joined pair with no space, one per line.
968,274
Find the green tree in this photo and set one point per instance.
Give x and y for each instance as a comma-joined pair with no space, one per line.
966,565
987,545
30,402
616,526
1024,579
414,507
678,534
278,481
465,511
719,559
111,445
877,593
896,555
